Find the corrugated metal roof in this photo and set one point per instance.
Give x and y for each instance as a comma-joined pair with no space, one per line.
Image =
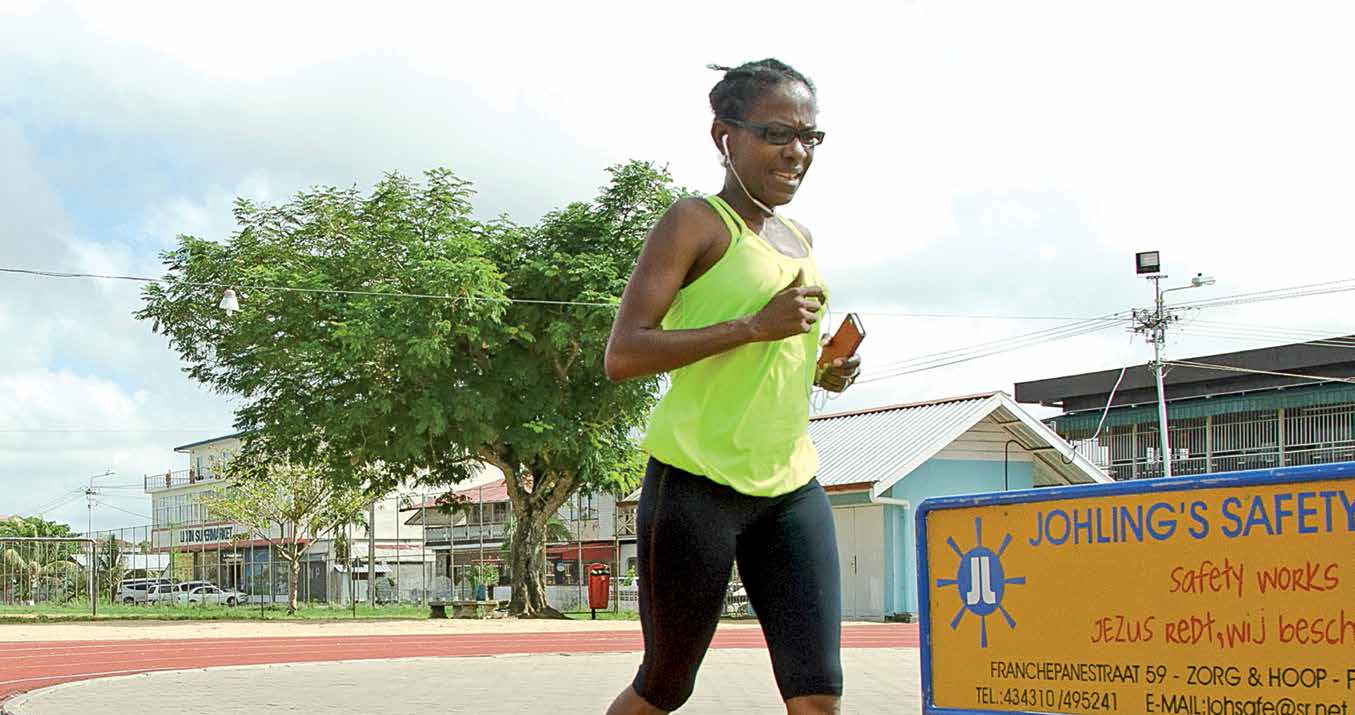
880,445
875,448
489,492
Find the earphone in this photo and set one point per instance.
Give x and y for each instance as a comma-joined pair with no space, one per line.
729,162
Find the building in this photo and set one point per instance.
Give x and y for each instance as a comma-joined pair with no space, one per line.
877,465
473,533
229,555
1257,409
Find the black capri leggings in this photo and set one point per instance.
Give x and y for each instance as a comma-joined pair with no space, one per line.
690,531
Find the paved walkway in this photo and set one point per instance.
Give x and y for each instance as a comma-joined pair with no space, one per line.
879,680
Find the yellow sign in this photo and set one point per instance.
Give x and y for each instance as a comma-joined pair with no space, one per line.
1226,595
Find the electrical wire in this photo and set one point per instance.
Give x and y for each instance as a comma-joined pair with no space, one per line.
69,494
73,430
125,511
1328,287
1231,368
1105,412
1058,329
1305,335
292,289
965,316
430,296
1001,345
933,365
1110,400
59,503
1249,336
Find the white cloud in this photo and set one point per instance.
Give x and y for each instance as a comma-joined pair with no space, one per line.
981,158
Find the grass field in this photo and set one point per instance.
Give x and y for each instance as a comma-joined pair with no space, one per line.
305,612
29,614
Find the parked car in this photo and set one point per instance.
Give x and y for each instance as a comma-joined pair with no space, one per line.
169,593
211,595
134,591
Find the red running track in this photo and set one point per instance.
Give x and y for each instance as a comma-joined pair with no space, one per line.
28,666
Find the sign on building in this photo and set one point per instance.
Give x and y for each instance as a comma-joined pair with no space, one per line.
1223,594
206,534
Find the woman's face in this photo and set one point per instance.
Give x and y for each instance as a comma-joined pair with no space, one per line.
773,172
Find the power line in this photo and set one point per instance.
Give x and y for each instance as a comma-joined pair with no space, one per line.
76,430
1328,287
1001,342
924,363
1249,336
923,366
60,502
431,296
292,289
1231,368
118,508
1306,335
964,316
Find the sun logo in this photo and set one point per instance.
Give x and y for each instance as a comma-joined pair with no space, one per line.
980,582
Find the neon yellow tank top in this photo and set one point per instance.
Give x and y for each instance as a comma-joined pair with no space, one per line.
741,418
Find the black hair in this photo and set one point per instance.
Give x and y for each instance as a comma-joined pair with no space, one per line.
741,86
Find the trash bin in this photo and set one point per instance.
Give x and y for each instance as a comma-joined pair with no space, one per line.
599,587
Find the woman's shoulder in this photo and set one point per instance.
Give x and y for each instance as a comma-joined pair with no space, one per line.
690,218
693,208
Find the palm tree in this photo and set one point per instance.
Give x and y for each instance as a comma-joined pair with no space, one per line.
45,572
110,567
26,567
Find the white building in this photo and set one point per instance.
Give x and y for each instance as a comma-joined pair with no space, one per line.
228,554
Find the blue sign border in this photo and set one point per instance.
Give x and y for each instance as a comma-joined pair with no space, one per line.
1283,475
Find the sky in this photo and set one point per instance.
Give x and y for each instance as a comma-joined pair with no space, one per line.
982,159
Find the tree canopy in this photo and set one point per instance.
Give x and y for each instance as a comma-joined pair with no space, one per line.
392,336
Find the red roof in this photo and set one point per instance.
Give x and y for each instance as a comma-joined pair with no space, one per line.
495,491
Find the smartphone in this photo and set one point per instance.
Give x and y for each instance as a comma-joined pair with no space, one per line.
845,341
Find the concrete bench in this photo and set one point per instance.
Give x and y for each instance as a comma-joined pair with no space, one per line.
465,609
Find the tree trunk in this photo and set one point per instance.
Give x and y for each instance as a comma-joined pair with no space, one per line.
528,563
293,573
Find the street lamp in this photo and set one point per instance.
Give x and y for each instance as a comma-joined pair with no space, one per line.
1153,323
1147,262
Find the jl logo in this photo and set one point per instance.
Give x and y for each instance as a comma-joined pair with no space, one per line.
981,582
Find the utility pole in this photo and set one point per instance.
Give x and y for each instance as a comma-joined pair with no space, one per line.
1153,323
89,502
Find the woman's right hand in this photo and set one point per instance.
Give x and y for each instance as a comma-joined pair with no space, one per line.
792,311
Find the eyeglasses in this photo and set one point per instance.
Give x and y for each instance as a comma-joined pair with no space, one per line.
780,134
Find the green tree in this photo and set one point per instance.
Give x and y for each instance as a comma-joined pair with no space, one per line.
35,572
377,389
30,571
286,505
109,565
33,526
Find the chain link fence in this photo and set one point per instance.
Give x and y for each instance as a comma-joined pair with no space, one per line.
408,549
50,571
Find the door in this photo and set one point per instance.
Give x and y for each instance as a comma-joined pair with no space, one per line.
860,548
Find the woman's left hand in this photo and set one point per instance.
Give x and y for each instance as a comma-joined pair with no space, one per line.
839,374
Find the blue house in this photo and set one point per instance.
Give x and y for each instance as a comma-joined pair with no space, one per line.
878,464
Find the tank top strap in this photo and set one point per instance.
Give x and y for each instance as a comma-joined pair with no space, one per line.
732,220
789,224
